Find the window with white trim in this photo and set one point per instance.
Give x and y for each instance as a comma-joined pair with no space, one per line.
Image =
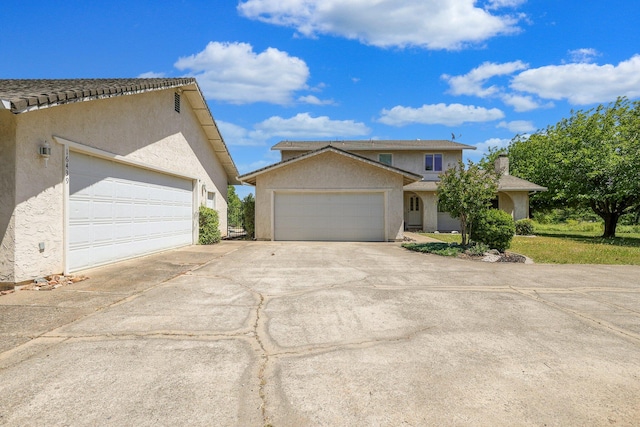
211,199
433,162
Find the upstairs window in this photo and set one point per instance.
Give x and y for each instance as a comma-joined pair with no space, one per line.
433,162
387,159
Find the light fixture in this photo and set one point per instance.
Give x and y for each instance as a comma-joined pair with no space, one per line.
45,152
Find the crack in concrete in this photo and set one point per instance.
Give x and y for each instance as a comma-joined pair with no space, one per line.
262,381
320,349
535,295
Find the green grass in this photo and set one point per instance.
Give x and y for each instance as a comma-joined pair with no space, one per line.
572,244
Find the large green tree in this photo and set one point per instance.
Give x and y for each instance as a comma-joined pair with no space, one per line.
234,207
464,192
591,159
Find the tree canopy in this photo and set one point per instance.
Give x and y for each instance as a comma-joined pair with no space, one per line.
591,159
464,192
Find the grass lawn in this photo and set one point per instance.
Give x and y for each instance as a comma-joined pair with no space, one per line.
567,245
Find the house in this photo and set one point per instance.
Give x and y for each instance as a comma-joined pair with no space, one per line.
100,170
364,190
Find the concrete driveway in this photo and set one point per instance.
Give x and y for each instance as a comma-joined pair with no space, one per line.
339,334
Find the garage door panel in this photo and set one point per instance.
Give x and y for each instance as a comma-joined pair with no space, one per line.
329,216
118,211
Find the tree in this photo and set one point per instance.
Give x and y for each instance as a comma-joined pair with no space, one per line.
234,207
249,215
591,159
465,192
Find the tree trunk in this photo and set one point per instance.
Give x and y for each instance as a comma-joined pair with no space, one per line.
464,230
610,224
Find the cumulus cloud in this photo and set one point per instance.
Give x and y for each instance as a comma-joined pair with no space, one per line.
497,4
233,72
521,103
518,126
314,100
472,82
442,114
586,55
237,135
303,125
482,148
430,24
582,83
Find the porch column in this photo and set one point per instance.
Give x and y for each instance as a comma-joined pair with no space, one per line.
520,205
429,212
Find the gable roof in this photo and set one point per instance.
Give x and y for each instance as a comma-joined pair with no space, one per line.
375,145
250,178
24,95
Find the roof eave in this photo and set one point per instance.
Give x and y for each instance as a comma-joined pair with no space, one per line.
212,132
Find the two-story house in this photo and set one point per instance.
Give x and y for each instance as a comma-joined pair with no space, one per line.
364,190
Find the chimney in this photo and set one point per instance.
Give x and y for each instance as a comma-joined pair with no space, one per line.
502,164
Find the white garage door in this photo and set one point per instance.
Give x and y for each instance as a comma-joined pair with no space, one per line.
117,211
355,217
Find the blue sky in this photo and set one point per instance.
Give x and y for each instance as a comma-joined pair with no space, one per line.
345,69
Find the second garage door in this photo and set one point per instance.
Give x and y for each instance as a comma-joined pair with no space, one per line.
118,211
329,216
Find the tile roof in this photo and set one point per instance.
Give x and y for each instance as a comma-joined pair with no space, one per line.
362,145
21,95
250,178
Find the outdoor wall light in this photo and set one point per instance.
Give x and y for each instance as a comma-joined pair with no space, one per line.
45,152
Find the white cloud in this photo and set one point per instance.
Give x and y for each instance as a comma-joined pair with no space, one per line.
582,83
303,125
431,24
482,148
237,135
449,115
314,100
233,72
518,126
586,55
472,82
151,75
521,103
497,4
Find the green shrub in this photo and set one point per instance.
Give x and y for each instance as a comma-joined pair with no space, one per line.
442,249
495,228
249,213
478,248
524,227
209,226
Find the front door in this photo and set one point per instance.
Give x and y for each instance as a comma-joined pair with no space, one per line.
413,211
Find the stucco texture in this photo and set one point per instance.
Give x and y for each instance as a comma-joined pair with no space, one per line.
142,127
329,171
7,195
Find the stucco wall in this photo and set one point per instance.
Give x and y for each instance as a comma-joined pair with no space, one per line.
7,195
516,203
328,171
141,127
412,161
